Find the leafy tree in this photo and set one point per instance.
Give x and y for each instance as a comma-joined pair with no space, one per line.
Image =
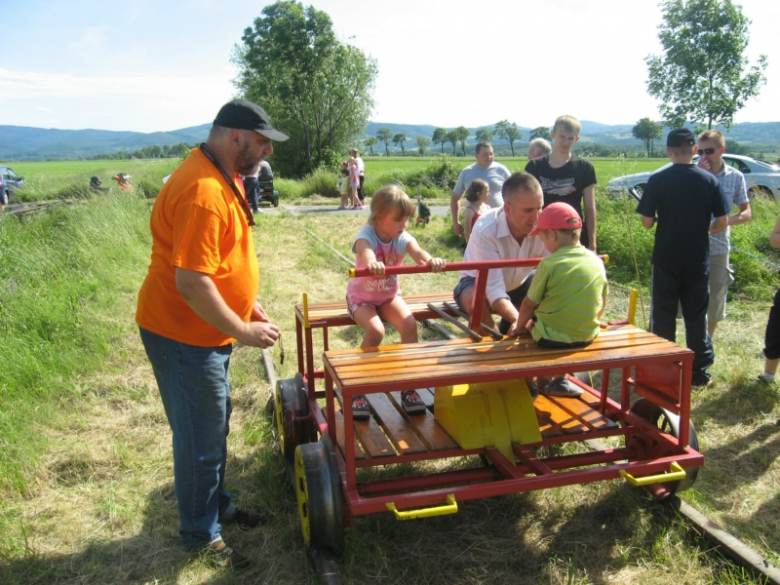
385,135
703,75
509,132
461,134
369,143
422,143
541,132
452,138
648,131
400,138
314,88
440,137
484,134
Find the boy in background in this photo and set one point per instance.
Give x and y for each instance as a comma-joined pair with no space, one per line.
568,292
712,145
682,200
568,178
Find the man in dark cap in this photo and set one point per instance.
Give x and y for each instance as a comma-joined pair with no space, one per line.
198,298
683,200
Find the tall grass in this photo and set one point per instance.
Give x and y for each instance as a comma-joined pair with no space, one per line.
62,273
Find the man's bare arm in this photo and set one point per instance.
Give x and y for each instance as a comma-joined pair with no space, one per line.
455,210
201,294
589,199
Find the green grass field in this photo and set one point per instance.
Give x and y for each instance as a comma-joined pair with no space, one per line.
606,169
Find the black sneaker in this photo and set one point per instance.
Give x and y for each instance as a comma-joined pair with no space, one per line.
412,403
221,555
360,410
563,388
248,519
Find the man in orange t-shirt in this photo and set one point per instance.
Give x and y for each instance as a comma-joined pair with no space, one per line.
197,299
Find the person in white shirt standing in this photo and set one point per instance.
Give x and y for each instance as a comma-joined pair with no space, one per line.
361,171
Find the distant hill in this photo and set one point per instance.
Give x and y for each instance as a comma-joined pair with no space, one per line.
27,143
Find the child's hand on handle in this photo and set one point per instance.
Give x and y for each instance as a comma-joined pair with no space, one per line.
436,264
376,268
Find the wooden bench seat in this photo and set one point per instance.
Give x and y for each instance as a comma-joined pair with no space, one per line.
333,314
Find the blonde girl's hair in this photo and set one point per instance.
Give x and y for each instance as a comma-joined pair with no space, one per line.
390,199
475,188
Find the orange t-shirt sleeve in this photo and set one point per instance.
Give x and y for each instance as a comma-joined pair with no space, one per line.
197,233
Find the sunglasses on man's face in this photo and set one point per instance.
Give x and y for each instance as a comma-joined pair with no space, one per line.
707,151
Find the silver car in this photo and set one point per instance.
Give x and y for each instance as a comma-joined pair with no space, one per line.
762,178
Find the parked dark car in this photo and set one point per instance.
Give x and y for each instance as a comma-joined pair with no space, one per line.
9,182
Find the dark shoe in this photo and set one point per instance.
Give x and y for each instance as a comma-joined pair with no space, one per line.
248,519
766,382
412,403
360,410
221,555
562,387
704,383
532,388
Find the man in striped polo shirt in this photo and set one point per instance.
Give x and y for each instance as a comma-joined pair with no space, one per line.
712,145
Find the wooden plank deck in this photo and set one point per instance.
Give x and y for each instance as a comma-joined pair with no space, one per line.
391,431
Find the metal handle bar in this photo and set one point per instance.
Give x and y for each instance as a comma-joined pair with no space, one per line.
452,266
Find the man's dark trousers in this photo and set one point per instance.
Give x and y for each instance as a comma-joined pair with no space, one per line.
688,286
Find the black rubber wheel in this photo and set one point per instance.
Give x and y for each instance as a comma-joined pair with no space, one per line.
291,401
760,192
318,488
646,447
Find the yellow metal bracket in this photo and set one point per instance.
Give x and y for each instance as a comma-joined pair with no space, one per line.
676,473
632,306
351,273
450,508
306,311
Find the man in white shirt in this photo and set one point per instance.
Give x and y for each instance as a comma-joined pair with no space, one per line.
493,173
502,234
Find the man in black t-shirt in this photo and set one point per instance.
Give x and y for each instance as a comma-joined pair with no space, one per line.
568,178
682,200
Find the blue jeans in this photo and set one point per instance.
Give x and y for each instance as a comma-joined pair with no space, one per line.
193,383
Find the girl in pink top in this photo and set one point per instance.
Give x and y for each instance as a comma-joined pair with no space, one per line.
384,241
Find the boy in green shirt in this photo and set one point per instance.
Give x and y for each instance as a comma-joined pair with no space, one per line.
568,292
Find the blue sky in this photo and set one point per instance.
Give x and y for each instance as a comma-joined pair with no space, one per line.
147,66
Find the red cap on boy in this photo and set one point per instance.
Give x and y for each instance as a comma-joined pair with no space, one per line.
557,216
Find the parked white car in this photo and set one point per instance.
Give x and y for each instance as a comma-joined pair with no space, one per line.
762,178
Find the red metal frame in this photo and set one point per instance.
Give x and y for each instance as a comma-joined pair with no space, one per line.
662,379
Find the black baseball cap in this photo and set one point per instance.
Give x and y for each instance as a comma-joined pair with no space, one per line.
244,115
679,137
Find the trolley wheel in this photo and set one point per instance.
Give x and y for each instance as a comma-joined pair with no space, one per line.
291,401
318,487
647,447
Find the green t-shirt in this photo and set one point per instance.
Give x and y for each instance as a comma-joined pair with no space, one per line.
568,287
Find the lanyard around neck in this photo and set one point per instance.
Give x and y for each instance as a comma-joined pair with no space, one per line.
244,203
